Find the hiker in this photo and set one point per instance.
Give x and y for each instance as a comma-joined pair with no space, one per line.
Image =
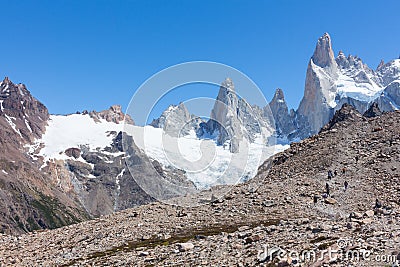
346,184
315,199
344,170
378,204
330,175
335,173
327,189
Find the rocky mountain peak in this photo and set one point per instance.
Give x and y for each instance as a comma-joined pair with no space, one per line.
390,71
284,121
6,80
228,84
113,114
23,114
227,94
315,108
323,55
226,113
278,95
381,63
176,121
346,113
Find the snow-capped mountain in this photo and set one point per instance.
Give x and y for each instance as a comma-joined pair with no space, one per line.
235,134
331,82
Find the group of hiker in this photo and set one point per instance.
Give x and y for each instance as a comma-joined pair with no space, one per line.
327,193
327,186
331,175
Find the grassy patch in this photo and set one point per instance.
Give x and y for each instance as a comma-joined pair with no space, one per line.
181,237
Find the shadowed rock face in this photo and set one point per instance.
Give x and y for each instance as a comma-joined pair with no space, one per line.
373,111
106,181
284,121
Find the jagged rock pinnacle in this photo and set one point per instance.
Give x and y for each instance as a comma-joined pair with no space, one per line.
228,84
6,80
323,55
279,94
380,65
283,120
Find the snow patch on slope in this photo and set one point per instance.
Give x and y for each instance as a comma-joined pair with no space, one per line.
64,132
219,165
74,130
12,124
363,91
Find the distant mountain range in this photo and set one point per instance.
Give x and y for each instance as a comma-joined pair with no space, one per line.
56,170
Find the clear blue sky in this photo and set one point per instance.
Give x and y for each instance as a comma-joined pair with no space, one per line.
76,55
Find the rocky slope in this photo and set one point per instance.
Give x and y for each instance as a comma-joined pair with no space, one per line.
284,208
27,199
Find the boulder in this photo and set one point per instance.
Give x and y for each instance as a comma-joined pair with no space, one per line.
73,152
185,246
330,201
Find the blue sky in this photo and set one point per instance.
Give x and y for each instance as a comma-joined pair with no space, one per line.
76,55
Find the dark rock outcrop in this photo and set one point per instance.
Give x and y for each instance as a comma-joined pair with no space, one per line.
346,113
113,114
284,121
373,111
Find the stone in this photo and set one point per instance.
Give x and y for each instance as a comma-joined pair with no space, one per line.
252,238
356,215
73,152
185,246
373,111
367,220
143,254
369,213
330,201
